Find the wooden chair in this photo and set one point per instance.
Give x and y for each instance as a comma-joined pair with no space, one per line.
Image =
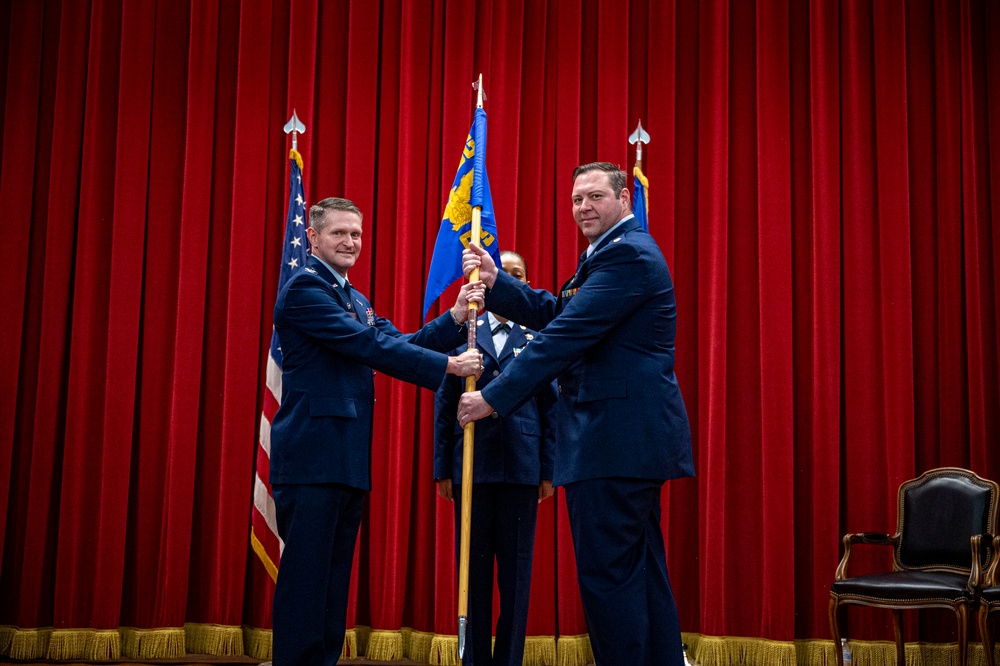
989,601
935,560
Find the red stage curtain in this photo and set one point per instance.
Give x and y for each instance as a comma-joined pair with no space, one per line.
824,181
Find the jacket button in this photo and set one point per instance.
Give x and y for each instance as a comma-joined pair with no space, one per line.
494,415
496,373
560,388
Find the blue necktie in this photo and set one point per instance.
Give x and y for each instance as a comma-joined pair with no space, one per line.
348,294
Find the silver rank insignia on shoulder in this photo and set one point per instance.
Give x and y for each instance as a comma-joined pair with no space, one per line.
310,270
617,239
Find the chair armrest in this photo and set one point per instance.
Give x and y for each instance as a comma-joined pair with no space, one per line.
976,574
869,538
989,577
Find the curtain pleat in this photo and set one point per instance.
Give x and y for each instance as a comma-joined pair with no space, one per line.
823,183
22,75
88,576
980,228
774,259
675,199
41,390
817,270
712,211
139,155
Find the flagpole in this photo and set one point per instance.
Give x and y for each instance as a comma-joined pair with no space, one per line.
638,138
468,443
264,538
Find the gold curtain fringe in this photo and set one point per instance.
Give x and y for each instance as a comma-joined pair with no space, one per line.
724,651
7,634
85,644
24,643
350,649
730,651
883,653
357,639
417,645
152,643
574,650
815,653
219,640
385,645
540,651
691,640
444,651
441,650
257,643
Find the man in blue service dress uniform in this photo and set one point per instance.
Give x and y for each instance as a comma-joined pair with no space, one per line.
331,341
623,430
512,473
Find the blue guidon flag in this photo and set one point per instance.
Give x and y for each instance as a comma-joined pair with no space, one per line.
470,189
640,197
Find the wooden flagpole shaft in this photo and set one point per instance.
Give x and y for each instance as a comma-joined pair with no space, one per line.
468,442
468,450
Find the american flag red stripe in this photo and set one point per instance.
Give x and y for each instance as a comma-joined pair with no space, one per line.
263,527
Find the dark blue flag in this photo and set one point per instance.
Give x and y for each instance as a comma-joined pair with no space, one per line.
640,197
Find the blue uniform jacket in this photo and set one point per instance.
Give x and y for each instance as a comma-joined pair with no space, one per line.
322,432
608,335
514,449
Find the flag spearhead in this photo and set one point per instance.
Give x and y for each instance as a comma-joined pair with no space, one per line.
477,85
294,127
637,138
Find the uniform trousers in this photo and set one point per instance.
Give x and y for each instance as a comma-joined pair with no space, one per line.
319,524
622,571
503,529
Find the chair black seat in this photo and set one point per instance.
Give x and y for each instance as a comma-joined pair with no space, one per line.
904,586
991,595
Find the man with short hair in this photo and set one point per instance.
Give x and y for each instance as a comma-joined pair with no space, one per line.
608,336
331,341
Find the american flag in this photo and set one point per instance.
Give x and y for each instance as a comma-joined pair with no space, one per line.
264,529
